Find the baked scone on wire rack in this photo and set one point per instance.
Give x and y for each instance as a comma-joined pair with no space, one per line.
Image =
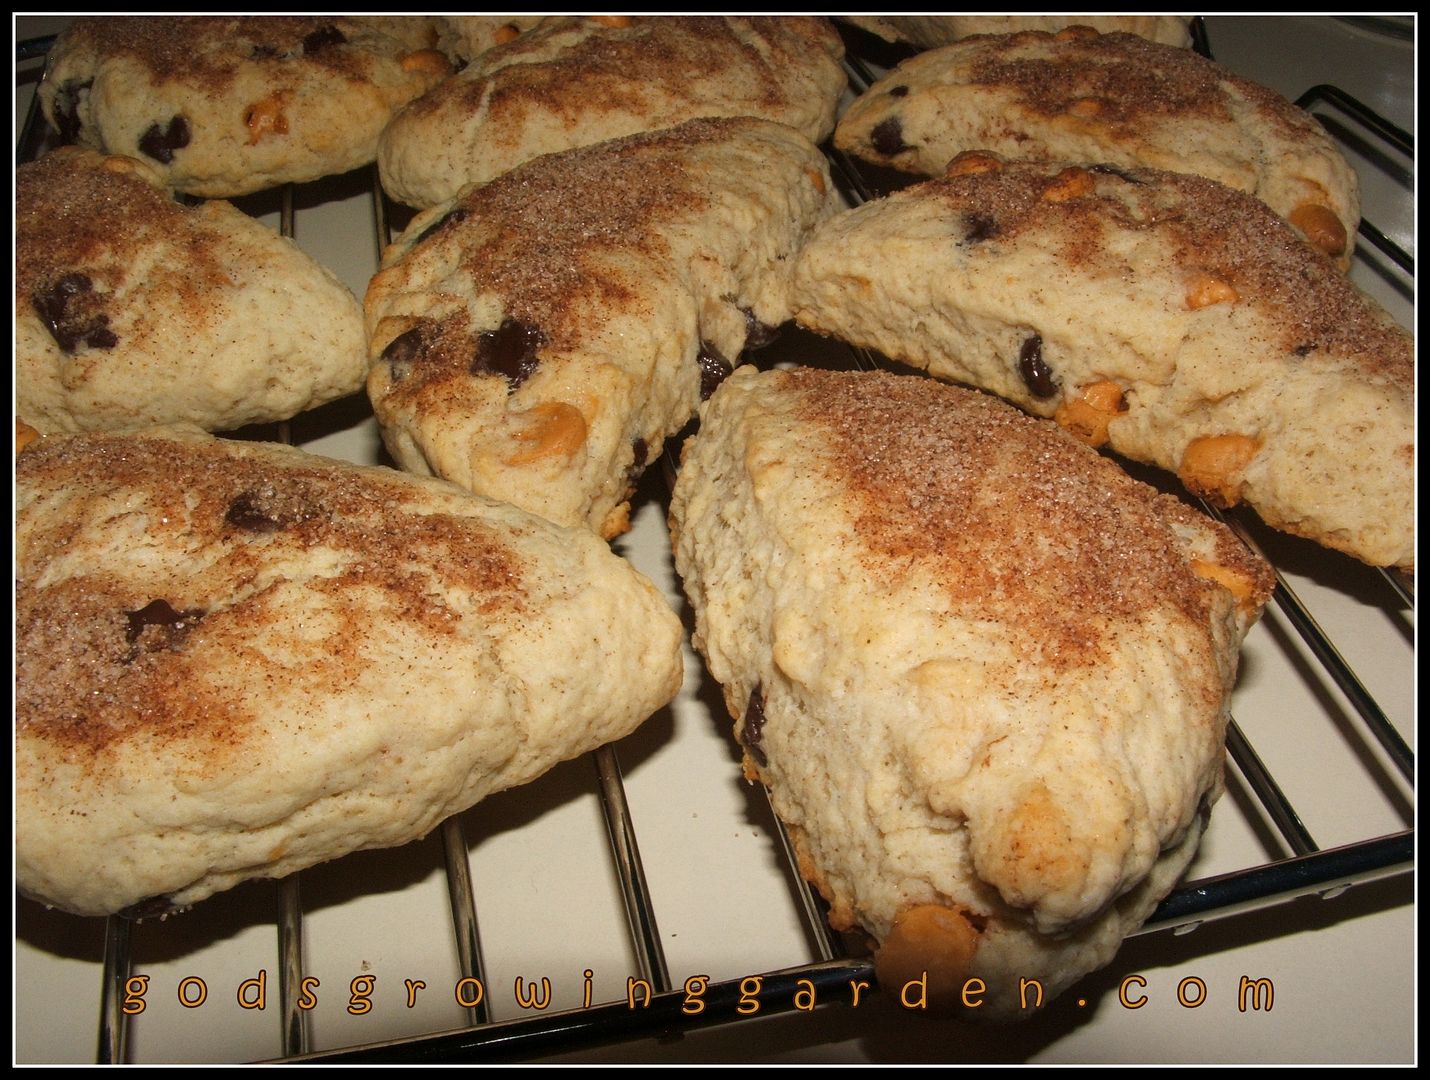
538,338
236,660
983,672
1078,95
227,105
1169,317
574,81
133,308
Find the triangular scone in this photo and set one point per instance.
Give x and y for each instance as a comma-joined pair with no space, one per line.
235,660
983,672
133,309
538,339
1080,96
226,105
1174,319
577,81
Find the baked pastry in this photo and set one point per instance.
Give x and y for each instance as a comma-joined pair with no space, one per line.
575,81
982,671
133,309
235,660
466,37
931,31
1082,96
537,339
226,105
1171,317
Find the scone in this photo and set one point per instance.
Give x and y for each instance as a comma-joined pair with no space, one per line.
226,105
1174,319
573,82
538,339
1117,98
236,660
931,31
133,309
983,672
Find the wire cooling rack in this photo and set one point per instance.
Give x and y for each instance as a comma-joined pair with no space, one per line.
1294,862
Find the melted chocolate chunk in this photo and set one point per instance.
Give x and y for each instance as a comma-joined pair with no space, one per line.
160,143
325,37
888,137
898,91
714,369
509,350
642,451
980,227
456,217
157,626
1113,170
67,310
754,726
757,334
67,109
268,508
1036,374
404,348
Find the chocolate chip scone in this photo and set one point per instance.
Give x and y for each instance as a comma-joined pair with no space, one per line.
134,309
226,105
1082,96
573,82
538,339
236,660
931,31
1174,319
983,673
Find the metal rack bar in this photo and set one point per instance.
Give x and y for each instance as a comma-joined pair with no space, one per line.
113,1020
290,967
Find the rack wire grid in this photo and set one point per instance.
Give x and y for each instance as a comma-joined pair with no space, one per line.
382,956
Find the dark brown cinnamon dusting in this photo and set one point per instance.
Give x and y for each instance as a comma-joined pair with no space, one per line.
1018,522
101,658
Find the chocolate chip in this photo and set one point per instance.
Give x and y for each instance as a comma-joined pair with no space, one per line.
167,627
67,109
325,37
754,725
160,143
1303,350
980,227
67,308
404,348
269,508
641,451
888,137
898,91
456,217
509,350
1036,374
714,369
757,334
1113,170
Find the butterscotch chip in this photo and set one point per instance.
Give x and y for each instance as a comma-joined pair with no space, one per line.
979,667
1112,98
236,660
538,338
572,82
134,309
226,105
1207,312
